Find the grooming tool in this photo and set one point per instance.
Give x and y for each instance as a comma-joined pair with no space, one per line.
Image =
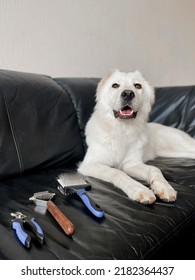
18,224
72,183
44,199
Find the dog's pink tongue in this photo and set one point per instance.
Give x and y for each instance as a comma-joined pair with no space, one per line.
127,112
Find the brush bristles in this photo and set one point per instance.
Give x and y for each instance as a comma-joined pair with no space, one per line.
71,178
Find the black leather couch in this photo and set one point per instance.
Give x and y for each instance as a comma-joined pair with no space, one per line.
42,123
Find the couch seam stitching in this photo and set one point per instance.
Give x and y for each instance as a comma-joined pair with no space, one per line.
13,133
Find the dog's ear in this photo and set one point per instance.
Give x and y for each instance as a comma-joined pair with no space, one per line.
104,79
108,75
147,86
139,74
152,94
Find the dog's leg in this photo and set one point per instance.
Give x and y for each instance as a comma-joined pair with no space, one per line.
169,142
135,190
154,177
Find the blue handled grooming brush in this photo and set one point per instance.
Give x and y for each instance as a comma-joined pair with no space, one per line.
71,183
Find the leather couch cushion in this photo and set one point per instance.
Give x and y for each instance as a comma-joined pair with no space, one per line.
174,106
82,93
38,124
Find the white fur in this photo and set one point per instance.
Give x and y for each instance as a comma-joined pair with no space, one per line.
118,148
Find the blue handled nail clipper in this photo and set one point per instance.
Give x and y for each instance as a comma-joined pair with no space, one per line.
19,222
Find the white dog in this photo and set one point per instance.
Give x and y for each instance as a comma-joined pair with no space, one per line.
120,140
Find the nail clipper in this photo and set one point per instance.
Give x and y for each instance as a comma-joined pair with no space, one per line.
19,222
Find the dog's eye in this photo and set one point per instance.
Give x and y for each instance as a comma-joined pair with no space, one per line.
138,86
115,85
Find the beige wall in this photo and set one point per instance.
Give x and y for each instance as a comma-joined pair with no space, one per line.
86,38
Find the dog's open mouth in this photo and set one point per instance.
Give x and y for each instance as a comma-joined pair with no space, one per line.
125,113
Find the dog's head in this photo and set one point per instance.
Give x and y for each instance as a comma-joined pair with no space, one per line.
125,95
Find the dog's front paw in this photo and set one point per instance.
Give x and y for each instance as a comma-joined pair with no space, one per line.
164,191
144,196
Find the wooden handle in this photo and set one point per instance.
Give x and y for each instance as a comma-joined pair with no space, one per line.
62,220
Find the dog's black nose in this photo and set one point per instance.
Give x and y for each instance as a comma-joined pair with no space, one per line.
127,95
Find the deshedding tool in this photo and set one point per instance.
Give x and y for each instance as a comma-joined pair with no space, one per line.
72,183
44,199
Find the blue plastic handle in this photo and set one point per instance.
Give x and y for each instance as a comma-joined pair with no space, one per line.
91,205
39,229
21,234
